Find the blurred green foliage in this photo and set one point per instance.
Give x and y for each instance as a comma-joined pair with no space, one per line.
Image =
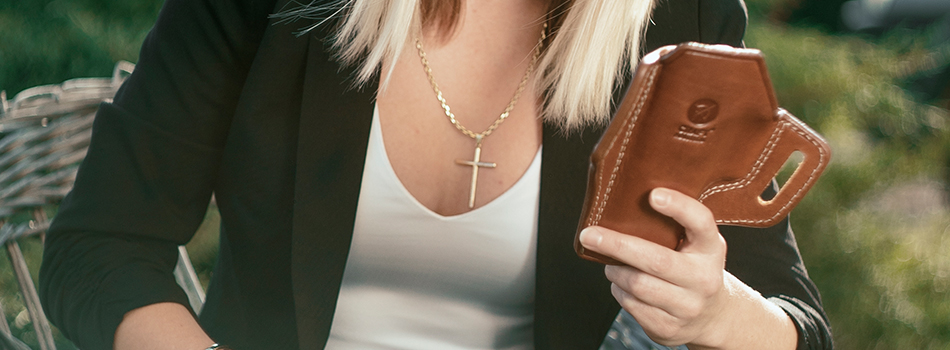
46,42
873,232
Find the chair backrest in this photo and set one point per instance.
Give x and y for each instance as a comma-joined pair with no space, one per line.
44,135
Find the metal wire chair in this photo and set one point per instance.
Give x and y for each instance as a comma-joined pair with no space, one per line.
44,135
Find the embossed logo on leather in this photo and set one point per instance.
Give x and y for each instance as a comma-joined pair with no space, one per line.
686,133
703,111
700,113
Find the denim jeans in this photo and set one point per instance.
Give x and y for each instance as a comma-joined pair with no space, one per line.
626,334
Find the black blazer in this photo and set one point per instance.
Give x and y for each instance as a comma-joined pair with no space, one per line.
225,101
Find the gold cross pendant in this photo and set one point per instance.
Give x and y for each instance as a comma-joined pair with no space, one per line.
475,164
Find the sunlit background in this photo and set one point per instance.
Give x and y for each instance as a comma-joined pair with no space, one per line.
870,75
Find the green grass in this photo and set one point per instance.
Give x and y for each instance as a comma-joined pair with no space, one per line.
873,232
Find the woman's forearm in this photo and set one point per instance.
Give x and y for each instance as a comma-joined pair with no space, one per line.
160,326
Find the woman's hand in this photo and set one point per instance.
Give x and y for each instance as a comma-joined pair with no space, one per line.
686,296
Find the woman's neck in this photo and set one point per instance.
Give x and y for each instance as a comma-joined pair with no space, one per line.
489,18
478,68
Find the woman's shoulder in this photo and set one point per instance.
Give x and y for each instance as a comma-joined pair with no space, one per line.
707,21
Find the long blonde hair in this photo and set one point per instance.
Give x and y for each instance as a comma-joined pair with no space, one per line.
593,43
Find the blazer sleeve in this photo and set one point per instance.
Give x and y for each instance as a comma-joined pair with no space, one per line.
145,183
768,260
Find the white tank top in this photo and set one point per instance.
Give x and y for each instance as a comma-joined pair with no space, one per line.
418,280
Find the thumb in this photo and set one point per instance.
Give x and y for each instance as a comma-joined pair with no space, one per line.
701,231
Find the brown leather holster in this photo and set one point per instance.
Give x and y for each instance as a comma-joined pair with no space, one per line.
702,120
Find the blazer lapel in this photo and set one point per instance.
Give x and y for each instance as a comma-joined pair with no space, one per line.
573,305
334,130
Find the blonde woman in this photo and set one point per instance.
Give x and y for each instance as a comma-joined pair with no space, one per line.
403,175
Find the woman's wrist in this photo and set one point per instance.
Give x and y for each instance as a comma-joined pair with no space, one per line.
748,321
159,327
217,346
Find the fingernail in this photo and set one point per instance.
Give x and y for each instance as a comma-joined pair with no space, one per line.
590,237
660,197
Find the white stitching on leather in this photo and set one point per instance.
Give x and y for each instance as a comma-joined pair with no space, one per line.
822,158
593,219
623,147
756,167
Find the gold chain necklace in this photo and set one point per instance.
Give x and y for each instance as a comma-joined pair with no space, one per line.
476,162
